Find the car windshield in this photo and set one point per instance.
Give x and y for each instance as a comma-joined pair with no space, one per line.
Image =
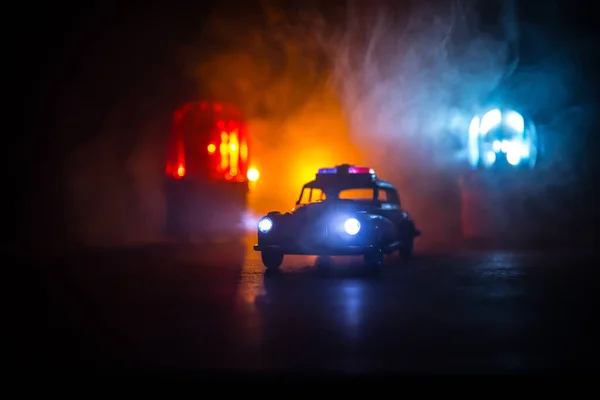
363,194
311,195
316,195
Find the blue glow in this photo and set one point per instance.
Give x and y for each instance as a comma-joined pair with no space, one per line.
328,170
497,146
490,158
506,146
513,157
352,226
490,120
516,138
473,144
352,299
515,121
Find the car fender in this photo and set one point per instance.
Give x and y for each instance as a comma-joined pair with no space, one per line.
384,229
408,225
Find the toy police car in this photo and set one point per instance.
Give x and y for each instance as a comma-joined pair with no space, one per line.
346,210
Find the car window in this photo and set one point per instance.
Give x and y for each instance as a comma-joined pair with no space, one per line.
392,196
317,195
304,196
357,194
313,195
382,195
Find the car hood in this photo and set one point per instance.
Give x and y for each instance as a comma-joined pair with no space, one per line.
318,210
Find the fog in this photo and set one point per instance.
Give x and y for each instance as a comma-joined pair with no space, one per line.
409,79
388,84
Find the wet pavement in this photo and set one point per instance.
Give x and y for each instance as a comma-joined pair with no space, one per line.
210,307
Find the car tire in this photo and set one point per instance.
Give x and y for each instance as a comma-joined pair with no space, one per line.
272,260
374,259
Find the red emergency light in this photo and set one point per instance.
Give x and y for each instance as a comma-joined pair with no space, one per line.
208,139
350,169
361,170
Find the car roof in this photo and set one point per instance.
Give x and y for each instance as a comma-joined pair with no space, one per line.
350,184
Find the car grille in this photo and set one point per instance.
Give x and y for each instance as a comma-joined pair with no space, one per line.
313,233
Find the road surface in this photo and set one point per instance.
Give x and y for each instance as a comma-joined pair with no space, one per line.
210,308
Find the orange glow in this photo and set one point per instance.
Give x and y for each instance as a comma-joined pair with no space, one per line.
291,144
212,148
223,149
253,175
181,171
233,155
244,151
314,138
224,158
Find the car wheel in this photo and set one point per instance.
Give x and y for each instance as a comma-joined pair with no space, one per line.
271,259
374,259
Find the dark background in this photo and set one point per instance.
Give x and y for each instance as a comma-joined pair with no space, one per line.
78,63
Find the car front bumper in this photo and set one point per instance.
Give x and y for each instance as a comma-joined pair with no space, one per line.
323,250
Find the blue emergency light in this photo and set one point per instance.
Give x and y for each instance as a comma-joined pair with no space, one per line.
350,169
327,171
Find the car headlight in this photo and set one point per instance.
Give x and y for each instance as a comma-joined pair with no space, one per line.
265,225
352,226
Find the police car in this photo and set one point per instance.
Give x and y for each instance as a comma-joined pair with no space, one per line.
345,210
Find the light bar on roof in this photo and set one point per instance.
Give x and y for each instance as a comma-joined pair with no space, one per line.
346,169
327,170
361,170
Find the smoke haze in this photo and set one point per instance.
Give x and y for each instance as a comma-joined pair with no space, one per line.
390,84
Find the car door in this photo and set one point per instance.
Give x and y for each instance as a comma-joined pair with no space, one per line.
391,208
